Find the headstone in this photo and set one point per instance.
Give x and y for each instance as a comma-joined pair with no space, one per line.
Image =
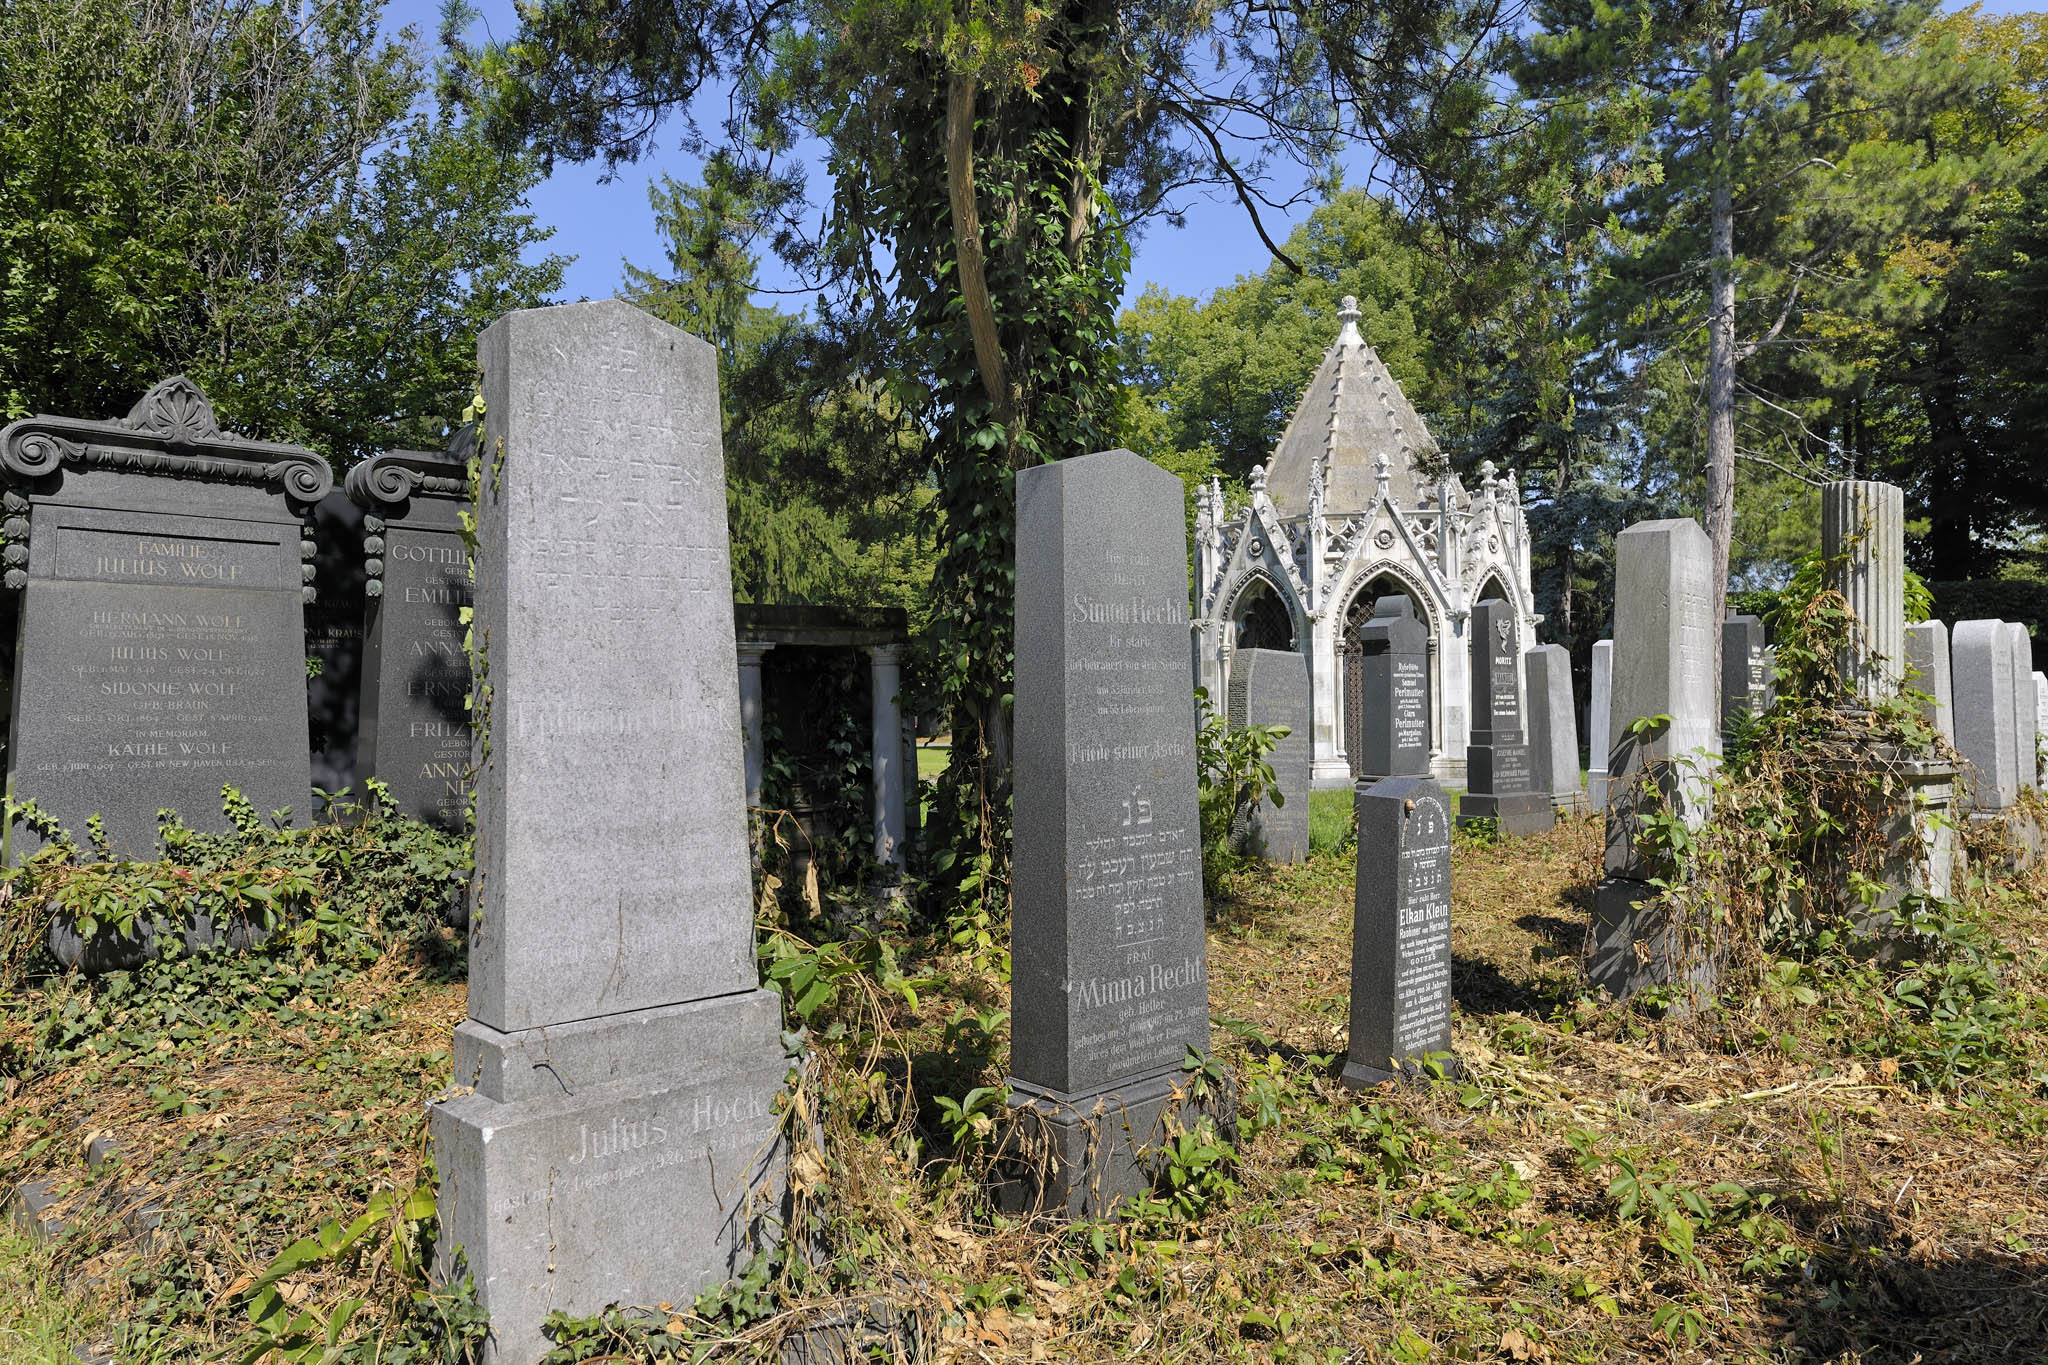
163,569
1663,666
1554,726
1401,936
1745,673
334,641
1500,769
2019,659
613,1136
1927,672
1862,536
2040,725
1393,648
1598,718
1270,687
415,707
1981,675
1110,978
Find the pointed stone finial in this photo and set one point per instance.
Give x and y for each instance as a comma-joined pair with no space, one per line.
1347,313
1486,471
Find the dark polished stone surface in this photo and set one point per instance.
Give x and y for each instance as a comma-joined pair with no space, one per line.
1401,935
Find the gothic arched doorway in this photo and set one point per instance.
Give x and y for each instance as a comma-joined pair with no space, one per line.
1363,604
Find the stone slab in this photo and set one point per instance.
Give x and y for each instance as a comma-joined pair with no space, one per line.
1520,814
536,1064
1599,707
1110,976
1401,931
1554,726
2020,659
604,608
1270,687
1983,680
1745,673
1927,672
1394,692
334,636
415,685
1497,716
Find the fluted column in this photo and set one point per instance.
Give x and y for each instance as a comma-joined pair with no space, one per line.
885,674
1863,539
751,654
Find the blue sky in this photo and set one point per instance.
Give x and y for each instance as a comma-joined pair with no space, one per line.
604,223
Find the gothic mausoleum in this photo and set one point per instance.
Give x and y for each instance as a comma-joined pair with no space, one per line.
1357,503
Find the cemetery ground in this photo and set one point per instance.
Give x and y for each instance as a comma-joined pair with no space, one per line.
1848,1167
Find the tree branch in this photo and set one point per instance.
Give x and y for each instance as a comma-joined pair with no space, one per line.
973,273
1244,191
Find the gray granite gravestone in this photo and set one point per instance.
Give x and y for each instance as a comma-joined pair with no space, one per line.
1745,673
1982,680
1554,726
415,708
612,1136
1598,716
1270,687
1927,669
163,567
1393,675
1110,983
1500,770
1663,666
1401,935
334,638
2019,658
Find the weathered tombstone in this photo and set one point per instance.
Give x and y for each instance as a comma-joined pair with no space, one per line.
613,1135
334,641
1982,679
1745,673
2019,658
1663,666
1863,540
1401,935
1927,668
1393,650
1110,983
1270,687
415,693
1500,770
1597,721
2040,724
1554,726
164,570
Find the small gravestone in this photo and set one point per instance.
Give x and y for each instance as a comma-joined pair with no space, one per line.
1598,707
2040,724
334,642
415,709
1927,670
1554,726
1401,936
2019,658
1270,687
613,1135
1110,984
1500,770
1745,673
164,568
1663,667
1982,679
1393,652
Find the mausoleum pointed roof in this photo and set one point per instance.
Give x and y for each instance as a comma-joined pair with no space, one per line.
1353,413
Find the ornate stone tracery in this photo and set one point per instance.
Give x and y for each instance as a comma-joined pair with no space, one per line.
1357,493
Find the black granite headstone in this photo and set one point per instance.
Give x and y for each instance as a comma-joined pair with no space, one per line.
1394,685
1270,687
1110,982
1500,772
334,638
1401,938
1745,672
415,727
163,567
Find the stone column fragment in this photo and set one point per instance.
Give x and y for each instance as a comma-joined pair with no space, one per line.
885,676
1862,533
1598,705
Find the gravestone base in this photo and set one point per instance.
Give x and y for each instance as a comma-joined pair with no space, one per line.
155,936
1079,1156
1520,814
2016,830
633,1159
1633,945
1359,1076
1571,803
